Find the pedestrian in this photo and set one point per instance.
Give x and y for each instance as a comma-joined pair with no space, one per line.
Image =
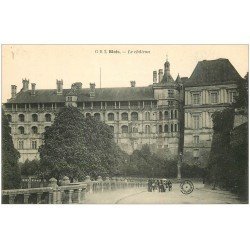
169,185
149,185
166,185
153,185
161,186
158,185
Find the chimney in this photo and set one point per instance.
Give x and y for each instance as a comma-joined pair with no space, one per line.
25,85
92,90
13,91
59,87
155,76
132,84
160,74
33,88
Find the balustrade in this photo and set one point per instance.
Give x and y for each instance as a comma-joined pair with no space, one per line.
66,192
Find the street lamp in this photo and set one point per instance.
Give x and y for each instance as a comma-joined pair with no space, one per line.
179,166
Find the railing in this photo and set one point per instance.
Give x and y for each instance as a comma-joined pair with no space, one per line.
66,192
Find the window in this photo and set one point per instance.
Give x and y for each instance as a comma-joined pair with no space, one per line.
166,128
175,128
97,105
147,129
48,118
124,129
34,130
69,98
172,128
175,114
196,98
160,129
166,115
110,105
135,130
170,103
9,117
171,114
97,116
87,104
232,96
160,115
124,116
111,117
34,144
214,97
21,118
196,154
20,144
134,116
46,128
21,130
112,129
196,139
147,104
147,116
88,115
171,93
34,117
196,120
134,105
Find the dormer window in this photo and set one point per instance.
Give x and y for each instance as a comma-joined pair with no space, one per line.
171,93
214,97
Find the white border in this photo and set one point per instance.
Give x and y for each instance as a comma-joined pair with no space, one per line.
126,226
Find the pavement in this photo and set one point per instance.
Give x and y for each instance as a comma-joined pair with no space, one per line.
200,195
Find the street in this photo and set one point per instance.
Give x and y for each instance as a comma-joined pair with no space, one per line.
200,195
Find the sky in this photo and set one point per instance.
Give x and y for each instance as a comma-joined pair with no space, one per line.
43,64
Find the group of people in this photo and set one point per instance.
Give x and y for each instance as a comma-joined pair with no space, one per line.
162,185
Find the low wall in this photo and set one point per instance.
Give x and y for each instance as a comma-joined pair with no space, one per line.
66,192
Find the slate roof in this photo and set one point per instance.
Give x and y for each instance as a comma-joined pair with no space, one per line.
104,94
213,72
167,79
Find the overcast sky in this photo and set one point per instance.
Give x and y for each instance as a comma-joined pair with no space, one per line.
43,64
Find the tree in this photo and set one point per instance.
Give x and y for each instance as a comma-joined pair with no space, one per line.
11,176
144,163
76,146
30,167
220,157
241,100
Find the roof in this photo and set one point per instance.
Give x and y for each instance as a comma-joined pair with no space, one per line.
103,94
213,72
167,79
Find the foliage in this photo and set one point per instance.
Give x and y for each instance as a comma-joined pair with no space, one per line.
11,177
241,100
30,167
76,146
194,171
228,163
144,163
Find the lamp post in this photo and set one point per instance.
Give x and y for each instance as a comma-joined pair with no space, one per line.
179,166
